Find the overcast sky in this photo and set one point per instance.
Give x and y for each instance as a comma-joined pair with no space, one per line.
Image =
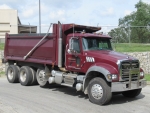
85,12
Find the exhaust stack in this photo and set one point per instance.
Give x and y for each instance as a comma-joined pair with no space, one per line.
60,46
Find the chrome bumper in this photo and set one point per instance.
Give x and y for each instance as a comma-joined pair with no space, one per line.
125,86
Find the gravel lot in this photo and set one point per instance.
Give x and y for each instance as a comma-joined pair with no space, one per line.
15,98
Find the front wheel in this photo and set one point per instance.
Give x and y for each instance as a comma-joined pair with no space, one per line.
132,93
99,91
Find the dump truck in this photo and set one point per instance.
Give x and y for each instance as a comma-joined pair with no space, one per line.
76,56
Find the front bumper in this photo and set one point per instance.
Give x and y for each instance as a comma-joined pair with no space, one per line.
125,86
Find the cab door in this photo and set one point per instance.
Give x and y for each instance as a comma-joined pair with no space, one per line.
73,54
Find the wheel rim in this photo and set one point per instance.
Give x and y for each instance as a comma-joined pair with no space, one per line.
97,91
10,74
23,76
41,76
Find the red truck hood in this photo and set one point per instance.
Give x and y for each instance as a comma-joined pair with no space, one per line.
108,55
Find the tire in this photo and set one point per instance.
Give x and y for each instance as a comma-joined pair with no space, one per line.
25,76
34,80
12,73
18,72
41,78
132,93
99,91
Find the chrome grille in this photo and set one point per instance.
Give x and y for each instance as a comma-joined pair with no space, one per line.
130,68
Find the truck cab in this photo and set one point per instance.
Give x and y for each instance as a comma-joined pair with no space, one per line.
92,54
80,53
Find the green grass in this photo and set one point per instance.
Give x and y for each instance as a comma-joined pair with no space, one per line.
2,73
132,47
147,77
1,46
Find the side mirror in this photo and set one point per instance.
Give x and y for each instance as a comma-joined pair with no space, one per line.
69,51
72,52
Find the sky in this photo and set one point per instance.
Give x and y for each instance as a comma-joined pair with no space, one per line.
104,13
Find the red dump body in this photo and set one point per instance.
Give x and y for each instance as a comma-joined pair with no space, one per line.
17,46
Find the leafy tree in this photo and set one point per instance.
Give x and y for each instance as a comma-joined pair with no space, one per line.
119,35
133,27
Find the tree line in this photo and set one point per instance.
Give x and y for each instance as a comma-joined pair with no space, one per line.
135,27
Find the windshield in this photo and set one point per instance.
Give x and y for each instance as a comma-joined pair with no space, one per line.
96,44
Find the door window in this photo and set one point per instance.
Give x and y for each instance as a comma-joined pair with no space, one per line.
76,45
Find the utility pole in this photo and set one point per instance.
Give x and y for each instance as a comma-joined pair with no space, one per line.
129,35
39,17
30,27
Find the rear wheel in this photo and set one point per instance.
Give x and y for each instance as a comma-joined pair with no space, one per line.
99,91
12,73
34,80
25,76
132,93
42,79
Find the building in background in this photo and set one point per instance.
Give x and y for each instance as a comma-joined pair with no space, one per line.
10,23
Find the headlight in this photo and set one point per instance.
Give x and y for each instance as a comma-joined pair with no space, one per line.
109,76
114,77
